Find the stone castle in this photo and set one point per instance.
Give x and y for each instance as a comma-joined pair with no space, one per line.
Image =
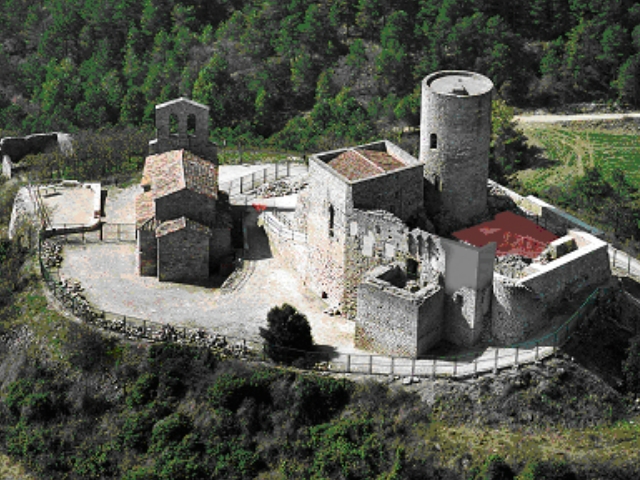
411,248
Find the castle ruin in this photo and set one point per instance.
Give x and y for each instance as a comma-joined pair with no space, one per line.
388,239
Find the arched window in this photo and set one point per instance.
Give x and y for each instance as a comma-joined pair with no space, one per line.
173,124
191,125
332,218
433,141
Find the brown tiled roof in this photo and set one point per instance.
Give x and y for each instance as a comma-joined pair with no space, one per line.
171,226
145,208
176,170
360,164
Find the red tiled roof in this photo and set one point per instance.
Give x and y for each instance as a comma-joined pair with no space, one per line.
358,164
171,226
176,170
513,234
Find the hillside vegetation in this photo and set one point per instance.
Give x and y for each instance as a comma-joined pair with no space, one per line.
306,75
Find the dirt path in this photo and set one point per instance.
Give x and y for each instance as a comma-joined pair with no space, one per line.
574,118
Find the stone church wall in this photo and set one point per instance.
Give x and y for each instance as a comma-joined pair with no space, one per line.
147,253
183,256
186,203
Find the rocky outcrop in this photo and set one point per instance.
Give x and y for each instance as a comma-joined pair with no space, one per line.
14,149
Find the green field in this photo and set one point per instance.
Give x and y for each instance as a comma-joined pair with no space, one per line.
571,149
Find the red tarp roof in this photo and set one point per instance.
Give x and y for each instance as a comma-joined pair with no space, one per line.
515,235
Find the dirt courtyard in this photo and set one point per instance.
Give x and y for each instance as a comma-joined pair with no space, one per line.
107,272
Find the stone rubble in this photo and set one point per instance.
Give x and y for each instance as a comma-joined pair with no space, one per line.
282,187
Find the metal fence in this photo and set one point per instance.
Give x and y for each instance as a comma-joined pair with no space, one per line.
489,360
102,232
253,180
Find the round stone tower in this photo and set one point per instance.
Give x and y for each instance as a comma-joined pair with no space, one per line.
455,131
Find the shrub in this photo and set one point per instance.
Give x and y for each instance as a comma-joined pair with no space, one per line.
288,334
137,429
547,470
169,431
227,391
495,468
144,390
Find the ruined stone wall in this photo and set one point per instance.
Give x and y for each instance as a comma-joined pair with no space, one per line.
515,311
183,256
571,274
373,238
558,221
186,203
147,253
465,315
522,307
6,166
394,321
400,193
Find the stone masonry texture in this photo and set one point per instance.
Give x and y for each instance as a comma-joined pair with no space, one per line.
454,145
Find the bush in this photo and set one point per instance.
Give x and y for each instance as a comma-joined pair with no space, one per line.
547,470
170,431
495,468
288,334
144,390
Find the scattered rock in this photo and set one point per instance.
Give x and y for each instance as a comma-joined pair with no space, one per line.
282,187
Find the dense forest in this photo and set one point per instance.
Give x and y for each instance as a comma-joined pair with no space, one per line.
302,74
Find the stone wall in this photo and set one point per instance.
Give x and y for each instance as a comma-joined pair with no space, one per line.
521,308
220,246
326,261
573,272
183,256
186,203
558,221
516,312
454,145
196,141
374,238
550,217
287,248
394,321
147,253
7,166
400,192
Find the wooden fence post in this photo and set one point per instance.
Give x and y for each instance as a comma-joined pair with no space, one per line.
495,367
413,367
370,362
537,353
628,264
433,370
288,169
455,366
392,364
517,349
253,180
348,363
